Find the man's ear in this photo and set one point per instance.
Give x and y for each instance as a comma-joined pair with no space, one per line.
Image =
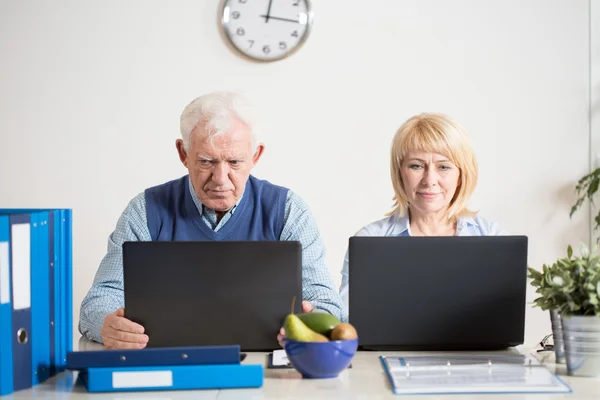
181,151
259,151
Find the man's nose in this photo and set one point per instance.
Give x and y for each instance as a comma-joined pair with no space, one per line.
220,174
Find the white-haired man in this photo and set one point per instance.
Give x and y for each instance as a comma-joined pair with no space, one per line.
219,149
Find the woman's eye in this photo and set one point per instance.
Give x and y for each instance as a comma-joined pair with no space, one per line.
414,166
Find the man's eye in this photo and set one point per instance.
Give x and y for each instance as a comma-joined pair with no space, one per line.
205,163
234,162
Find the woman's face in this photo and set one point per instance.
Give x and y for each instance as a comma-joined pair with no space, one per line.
430,181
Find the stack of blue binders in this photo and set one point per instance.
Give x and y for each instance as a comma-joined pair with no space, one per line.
167,368
36,316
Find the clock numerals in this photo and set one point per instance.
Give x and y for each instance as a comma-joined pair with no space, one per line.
266,30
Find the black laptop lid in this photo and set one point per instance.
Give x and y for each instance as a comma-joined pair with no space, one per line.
438,293
213,292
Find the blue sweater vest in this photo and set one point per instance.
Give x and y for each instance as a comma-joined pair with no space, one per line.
172,214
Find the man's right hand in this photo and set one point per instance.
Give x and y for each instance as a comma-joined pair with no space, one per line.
120,333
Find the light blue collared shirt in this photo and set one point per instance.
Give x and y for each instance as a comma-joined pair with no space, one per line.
396,225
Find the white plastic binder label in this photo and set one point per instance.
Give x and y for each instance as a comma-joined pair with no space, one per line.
4,279
135,379
21,266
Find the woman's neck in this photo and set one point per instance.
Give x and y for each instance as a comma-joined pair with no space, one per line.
431,224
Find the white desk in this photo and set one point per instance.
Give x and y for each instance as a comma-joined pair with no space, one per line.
365,380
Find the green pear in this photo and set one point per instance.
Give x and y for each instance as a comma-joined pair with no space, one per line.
320,322
297,330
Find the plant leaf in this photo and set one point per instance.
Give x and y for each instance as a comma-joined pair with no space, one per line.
593,188
569,251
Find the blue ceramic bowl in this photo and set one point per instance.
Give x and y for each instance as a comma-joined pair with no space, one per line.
320,359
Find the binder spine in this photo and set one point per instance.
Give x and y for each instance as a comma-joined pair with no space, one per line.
21,300
173,378
169,356
68,274
51,290
6,354
63,318
40,293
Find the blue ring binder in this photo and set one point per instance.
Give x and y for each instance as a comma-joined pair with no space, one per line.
36,332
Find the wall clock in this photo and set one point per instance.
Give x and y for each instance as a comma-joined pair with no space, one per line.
266,30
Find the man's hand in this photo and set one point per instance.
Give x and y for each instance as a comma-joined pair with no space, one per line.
306,307
120,333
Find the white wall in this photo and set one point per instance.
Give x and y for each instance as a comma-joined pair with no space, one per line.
90,97
595,98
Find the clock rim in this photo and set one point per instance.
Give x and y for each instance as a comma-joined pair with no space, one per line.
301,42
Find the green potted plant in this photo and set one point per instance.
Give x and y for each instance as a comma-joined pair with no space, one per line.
586,188
570,290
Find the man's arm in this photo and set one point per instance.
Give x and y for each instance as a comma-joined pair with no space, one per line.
344,294
106,293
317,284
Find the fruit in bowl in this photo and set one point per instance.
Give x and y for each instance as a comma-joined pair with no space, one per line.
318,345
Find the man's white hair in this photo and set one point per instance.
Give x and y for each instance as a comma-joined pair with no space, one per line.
217,113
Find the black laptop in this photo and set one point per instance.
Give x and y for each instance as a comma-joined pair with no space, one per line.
438,293
190,293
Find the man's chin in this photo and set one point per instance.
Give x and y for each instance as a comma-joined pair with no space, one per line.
220,206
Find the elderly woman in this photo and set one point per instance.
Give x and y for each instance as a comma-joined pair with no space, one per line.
434,173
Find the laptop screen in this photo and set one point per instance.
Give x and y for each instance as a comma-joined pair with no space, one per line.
204,293
438,293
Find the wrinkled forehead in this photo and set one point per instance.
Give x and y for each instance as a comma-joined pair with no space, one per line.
237,136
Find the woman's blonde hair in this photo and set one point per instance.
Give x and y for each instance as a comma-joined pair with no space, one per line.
435,133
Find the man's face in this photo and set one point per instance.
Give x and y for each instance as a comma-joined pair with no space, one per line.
219,170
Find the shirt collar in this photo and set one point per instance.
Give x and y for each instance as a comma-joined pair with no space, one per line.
402,224
464,222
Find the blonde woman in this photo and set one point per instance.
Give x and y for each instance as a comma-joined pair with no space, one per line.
434,172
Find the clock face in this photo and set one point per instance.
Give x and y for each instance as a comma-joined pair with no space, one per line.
266,30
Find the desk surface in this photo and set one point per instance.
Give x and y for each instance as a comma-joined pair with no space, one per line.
365,380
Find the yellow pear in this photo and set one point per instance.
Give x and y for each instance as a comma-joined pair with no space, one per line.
297,330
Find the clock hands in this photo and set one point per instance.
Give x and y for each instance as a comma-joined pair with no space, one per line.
268,12
279,19
266,17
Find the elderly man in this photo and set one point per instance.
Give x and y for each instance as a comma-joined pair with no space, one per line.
218,199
